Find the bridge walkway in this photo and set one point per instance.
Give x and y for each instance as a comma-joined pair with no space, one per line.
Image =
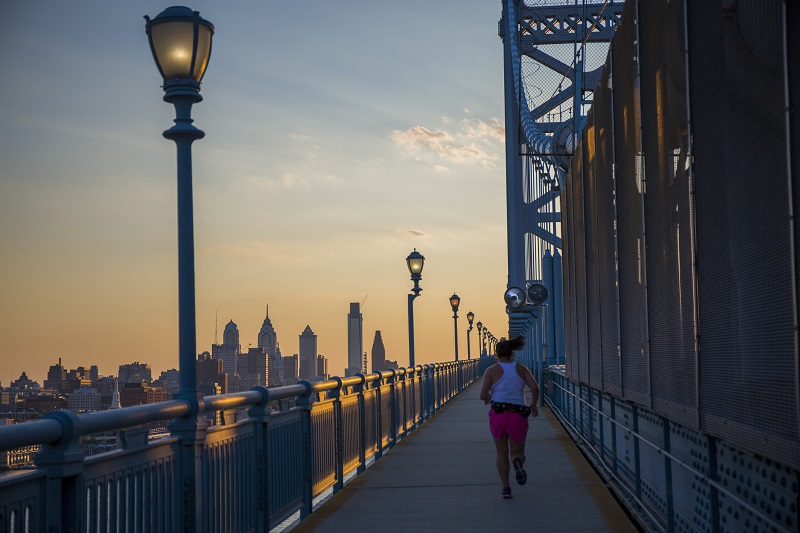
442,477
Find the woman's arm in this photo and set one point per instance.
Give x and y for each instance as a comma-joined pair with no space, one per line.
530,381
488,380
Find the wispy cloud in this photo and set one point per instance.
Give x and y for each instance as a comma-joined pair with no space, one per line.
475,142
415,232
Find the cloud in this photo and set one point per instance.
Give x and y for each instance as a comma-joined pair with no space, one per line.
288,181
478,129
476,142
414,232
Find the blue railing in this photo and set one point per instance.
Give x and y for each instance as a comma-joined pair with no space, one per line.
247,475
672,477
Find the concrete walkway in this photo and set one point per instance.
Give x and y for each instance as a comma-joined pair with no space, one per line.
443,478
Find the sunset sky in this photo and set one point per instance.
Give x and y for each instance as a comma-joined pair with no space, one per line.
339,137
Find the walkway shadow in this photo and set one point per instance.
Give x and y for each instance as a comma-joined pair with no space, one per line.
443,478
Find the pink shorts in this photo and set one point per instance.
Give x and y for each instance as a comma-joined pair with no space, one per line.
508,423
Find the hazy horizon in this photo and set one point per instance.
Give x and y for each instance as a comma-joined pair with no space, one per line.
339,137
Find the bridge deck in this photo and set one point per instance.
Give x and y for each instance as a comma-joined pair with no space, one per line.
443,477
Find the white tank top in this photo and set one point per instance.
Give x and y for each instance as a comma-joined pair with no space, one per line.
510,388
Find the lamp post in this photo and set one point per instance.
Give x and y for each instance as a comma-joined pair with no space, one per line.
454,301
180,41
470,318
480,343
181,44
415,262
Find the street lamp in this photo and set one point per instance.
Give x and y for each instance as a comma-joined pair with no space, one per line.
470,318
454,301
480,343
180,41
415,262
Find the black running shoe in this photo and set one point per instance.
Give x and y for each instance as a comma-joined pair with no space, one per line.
522,477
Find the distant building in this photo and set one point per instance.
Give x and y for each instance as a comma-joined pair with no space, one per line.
391,365
24,383
268,341
135,372
140,394
81,373
106,386
45,403
378,353
170,381
355,340
56,375
211,372
228,351
252,368
290,369
85,399
308,354
322,367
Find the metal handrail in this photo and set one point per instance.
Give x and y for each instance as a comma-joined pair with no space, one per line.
702,476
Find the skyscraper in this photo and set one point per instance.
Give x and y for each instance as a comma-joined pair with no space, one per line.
229,350
290,369
308,354
268,341
55,376
211,371
355,341
378,353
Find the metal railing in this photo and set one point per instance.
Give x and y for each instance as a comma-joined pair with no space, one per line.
673,478
247,475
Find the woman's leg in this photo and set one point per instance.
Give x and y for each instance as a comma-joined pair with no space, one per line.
518,459
517,450
503,465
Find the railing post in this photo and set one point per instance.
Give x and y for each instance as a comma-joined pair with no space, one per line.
402,400
336,395
379,415
304,403
362,418
424,393
413,376
191,430
260,413
64,463
392,409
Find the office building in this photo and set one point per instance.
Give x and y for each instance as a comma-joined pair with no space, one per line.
211,371
56,375
290,369
135,372
228,351
84,399
355,341
308,354
378,353
322,368
268,341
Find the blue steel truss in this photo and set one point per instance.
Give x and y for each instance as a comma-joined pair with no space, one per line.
554,55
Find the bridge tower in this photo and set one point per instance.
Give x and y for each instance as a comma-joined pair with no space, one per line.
554,53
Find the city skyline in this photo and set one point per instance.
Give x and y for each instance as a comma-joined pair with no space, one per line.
331,152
